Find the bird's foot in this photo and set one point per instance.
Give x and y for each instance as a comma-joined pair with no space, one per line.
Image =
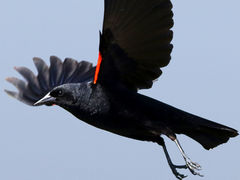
176,173
193,166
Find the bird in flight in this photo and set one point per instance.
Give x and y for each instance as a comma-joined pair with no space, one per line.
135,43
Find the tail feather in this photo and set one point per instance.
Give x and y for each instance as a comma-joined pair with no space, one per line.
212,136
35,87
209,134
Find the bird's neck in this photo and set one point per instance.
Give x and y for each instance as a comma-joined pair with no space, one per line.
91,105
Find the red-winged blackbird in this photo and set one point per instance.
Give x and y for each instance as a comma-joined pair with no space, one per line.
134,44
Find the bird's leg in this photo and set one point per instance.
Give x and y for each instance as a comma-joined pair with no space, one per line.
192,166
171,165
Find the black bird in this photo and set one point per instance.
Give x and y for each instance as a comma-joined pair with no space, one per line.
134,44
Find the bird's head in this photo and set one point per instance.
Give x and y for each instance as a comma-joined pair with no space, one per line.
66,94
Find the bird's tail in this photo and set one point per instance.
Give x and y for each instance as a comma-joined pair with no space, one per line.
209,134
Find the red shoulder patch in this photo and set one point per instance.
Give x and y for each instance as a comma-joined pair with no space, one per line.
97,68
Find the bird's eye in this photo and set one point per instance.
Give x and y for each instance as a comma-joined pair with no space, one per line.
60,92
57,93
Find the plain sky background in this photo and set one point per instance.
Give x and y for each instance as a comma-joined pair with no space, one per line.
50,144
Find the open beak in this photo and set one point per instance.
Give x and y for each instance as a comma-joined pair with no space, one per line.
46,99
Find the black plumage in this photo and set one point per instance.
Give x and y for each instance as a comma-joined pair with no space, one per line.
134,44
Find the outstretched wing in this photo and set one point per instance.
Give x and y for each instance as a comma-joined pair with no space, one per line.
135,42
69,71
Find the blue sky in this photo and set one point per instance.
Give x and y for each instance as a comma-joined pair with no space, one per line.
49,143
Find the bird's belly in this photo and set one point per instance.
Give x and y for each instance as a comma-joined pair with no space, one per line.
127,127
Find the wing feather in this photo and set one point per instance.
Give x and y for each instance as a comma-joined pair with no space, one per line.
35,87
135,41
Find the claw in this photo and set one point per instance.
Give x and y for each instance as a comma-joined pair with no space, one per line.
180,166
176,173
193,167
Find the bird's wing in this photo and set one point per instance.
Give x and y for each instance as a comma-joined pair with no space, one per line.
135,42
36,87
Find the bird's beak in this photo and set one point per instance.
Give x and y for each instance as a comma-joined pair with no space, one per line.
46,99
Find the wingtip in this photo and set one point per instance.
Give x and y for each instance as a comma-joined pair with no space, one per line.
55,58
36,59
16,68
7,79
6,91
10,93
10,79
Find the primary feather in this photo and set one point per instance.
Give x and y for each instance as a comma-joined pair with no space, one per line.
36,87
